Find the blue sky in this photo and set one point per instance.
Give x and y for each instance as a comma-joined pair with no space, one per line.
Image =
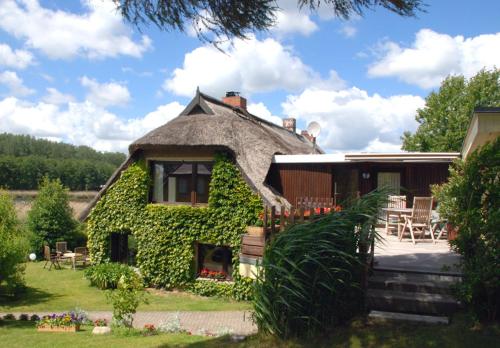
76,72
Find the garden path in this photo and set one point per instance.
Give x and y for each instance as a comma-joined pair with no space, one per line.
196,322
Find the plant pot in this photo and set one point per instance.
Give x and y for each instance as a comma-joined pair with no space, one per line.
452,231
101,330
255,231
48,328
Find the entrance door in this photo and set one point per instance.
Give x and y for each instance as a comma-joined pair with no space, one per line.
390,181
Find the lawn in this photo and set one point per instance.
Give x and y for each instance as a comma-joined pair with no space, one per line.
459,334
65,289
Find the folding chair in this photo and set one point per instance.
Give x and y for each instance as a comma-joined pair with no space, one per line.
50,257
419,220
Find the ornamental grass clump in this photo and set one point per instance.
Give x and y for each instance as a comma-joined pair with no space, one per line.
311,274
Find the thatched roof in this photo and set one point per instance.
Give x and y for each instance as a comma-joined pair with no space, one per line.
207,121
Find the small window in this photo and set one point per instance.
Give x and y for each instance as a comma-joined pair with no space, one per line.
214,262
180,182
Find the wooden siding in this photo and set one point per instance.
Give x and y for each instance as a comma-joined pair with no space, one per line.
301,180
317,180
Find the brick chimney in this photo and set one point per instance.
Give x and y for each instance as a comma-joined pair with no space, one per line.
290,124
307,135
234,99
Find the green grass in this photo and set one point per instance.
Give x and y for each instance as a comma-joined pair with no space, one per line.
23,334
65,289
459,334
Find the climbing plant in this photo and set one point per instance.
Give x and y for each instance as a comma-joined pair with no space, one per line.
166,235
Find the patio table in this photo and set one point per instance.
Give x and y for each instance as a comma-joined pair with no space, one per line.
71,256
395,211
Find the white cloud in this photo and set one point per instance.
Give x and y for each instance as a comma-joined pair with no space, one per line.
248,66
105,94
260,110
99,32
290,19
348,30
55,97
353,120
14,83
14,59
80,123
433,56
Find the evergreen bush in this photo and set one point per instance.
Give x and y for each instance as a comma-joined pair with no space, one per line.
51,217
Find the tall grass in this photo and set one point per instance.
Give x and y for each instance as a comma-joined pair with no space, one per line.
311,274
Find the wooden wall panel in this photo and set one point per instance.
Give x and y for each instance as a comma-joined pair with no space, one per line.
301,180
316,180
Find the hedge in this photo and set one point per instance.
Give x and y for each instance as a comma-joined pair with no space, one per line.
166,235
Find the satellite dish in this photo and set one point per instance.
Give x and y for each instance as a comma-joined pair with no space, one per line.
314,129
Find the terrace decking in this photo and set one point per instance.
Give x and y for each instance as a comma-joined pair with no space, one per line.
424,256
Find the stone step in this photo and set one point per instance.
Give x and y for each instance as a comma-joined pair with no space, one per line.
450,277
411,302
427,319
410,283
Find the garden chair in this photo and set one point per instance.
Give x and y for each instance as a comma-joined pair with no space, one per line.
62,247
394,219
419,220
50,257
81,255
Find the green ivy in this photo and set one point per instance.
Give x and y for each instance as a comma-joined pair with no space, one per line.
166,235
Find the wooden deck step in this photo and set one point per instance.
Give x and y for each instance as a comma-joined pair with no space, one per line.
411,302
426,319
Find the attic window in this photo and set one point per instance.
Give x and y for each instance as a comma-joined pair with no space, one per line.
180,182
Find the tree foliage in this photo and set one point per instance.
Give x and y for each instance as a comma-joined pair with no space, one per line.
444,120
471,202
13,246
24,161
235,18
51,217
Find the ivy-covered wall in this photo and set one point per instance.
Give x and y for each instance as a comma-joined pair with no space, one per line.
166,235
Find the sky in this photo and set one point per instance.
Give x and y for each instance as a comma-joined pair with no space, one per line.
75,71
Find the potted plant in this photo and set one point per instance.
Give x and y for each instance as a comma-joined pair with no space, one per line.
101,327
257,229
66,322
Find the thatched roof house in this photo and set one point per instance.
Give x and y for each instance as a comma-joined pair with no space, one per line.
225,124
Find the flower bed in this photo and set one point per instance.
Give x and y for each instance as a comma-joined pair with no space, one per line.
66,322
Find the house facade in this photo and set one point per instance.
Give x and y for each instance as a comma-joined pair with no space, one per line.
179,205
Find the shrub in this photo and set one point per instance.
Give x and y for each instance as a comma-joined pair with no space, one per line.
107,275
172,325
311,274
24,317
13,247
9,316
471,202
126,298
34,317
51,218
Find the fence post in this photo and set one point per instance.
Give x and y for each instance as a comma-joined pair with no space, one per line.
273,217
282,218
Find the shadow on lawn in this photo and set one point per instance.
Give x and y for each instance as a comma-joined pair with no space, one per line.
366,334
30,296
